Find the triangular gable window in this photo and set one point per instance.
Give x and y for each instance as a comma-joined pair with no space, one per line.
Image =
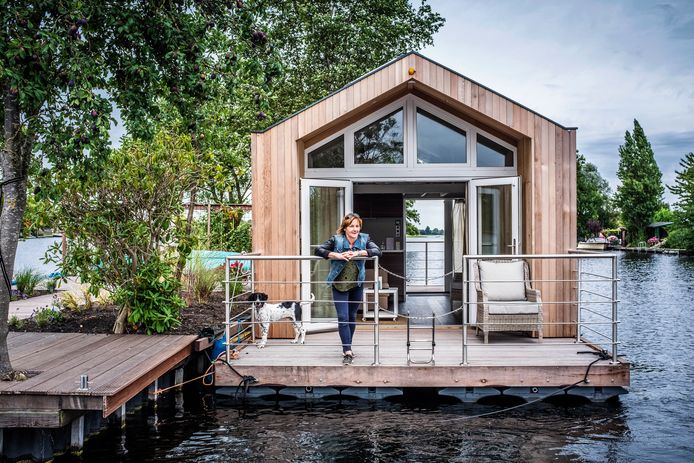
380,142
439,142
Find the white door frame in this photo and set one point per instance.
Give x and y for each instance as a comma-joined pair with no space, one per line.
305,188
473,216
473,219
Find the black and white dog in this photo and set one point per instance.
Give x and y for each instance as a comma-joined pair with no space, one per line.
267,313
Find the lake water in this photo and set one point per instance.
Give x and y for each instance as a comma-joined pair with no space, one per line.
653,423
31,252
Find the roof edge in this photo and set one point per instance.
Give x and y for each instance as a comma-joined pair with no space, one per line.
398,58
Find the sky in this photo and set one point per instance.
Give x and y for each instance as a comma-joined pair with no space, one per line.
595,65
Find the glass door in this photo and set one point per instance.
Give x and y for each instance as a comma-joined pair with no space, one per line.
323,205
494,224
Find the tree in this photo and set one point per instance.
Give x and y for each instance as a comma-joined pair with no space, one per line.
120,232
323,45
64,63
640,193
412,218
593,202
682,233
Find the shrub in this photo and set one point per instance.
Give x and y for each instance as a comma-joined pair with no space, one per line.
240,240
46,315
51,284
653,240
68,300
27,280
202,280
152,297
16,323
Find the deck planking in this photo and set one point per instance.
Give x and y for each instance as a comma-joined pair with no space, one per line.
118,367
509,360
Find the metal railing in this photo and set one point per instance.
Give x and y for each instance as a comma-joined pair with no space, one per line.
245,328
593,296
428,260
593,291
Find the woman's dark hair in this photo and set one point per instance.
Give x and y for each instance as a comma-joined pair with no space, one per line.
349,218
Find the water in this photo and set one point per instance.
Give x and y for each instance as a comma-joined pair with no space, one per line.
31,252
653,423
425,261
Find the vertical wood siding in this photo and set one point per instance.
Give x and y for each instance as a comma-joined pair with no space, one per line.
546,163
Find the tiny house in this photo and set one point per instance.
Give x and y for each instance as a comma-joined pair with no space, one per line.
414,129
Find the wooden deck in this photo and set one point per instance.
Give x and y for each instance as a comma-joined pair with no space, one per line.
508,360
118,367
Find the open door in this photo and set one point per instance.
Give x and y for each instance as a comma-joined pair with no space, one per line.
323,205
494,221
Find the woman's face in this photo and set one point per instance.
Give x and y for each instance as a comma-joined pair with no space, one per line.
353,229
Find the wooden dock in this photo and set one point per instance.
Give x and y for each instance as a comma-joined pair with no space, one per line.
507,361
118,367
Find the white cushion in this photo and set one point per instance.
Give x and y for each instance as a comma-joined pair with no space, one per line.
511,273
513,308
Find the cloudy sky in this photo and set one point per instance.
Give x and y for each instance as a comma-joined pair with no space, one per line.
592,64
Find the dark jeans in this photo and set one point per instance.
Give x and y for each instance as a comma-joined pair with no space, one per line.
346,305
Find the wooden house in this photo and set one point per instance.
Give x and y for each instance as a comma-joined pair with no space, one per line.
416,129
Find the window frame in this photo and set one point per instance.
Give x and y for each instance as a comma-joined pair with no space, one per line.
410,168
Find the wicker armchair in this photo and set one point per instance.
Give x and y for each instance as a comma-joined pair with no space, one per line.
505,300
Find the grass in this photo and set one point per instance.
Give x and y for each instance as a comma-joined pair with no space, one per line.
202,280
27,280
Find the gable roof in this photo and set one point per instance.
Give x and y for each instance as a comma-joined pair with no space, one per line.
417,57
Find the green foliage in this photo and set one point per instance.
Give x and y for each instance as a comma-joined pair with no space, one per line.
412,218
681,234
240,239
27,280
223,224
51,284
202,280
593,201
152,297
46,316
127,219
69,300
664,214
16,322
640,194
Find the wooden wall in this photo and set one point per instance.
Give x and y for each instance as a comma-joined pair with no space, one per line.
546,163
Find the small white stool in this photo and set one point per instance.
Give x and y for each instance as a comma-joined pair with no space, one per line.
367,309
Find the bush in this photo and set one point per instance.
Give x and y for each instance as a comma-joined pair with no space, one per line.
152,297
653,240
16,323
202,280
46,315
51,284
681,238
69,300
240,240
27,280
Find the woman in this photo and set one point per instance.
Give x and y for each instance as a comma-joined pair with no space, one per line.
347,276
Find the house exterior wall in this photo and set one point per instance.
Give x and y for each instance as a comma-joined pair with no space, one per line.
546,164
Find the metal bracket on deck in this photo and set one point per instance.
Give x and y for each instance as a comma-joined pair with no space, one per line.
431,342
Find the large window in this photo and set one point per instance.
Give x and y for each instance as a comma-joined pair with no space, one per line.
439,142
380,142
331,154
492,154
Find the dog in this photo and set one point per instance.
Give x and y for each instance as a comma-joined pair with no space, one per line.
267,313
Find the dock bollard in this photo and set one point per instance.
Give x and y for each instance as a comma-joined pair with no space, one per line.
84,382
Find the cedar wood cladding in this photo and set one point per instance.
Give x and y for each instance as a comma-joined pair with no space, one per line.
546,164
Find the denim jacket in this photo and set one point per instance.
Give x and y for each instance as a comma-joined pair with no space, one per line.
339,243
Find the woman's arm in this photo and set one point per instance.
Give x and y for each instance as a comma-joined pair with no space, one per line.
326,248
372,249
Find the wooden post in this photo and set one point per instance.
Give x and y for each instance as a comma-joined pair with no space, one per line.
123,413
77,433
209,221
178,378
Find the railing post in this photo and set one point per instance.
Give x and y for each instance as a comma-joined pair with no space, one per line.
426,263
253,308
614,309
377,329
579,287
227,306
465,308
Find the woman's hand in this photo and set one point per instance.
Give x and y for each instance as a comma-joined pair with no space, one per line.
347,255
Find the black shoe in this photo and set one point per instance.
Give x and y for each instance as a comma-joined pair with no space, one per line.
347,359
